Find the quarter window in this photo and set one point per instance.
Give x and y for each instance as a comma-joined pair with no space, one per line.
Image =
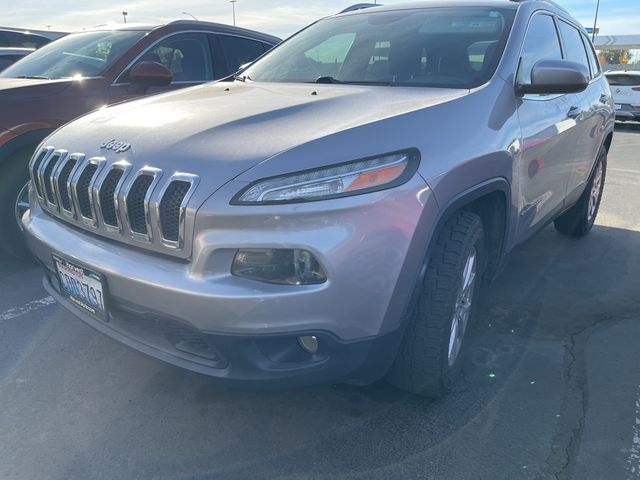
573,46
542,43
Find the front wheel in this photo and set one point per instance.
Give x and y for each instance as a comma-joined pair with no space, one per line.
430,356
13,203
579,219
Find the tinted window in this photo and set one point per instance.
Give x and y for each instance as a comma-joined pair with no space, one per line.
621,80
87,54
187,56
239,50
542,43
591,55
435,47
573,46
266,47
5,62
26,40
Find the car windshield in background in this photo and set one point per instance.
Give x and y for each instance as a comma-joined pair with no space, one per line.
82,54
434,47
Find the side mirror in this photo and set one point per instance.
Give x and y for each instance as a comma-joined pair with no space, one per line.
150,74
555,76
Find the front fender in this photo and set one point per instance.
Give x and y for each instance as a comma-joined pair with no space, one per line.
12,142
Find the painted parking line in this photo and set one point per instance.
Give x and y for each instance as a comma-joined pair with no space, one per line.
634,456
26,308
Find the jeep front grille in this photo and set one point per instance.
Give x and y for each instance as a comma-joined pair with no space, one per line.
63,185
107,200
173,207
83,192
113,199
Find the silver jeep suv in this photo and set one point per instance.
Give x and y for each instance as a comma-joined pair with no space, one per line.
330,212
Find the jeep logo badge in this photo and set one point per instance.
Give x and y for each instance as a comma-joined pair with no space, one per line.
117,147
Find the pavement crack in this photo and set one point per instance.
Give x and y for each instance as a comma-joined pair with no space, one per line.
571,421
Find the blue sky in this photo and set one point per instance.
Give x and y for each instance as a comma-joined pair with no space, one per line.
279,17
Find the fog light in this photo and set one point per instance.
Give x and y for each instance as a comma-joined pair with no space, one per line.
309,343
279,266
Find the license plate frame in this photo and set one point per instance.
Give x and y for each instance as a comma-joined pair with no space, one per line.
90,291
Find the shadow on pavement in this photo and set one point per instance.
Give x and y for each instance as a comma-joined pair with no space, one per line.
111,409
517,394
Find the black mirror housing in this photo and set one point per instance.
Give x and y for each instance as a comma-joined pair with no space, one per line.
555,77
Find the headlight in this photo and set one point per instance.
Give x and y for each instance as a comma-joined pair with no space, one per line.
351,178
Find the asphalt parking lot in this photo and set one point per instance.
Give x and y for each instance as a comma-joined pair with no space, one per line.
551,388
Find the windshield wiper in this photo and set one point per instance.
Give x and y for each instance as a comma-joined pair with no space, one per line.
242,78
334,81
33,77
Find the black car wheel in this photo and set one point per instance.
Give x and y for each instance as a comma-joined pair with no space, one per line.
13,180
430,356
579,219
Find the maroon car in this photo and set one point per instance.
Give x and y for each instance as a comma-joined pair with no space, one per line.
88,70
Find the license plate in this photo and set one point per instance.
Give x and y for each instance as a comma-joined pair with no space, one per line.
81,286
618,106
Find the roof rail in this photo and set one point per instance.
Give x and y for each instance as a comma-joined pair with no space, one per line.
550,2
359,6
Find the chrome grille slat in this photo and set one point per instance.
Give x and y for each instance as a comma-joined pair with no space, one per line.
82,190
112,200
107,195
62,184
45,178
138,198
172,208
34,169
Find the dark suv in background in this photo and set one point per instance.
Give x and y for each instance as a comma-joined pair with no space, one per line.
91,69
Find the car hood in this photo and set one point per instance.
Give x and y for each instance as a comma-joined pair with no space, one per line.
220,130
19,89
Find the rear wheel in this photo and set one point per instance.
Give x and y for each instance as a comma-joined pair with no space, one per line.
14,177
430,357
579,219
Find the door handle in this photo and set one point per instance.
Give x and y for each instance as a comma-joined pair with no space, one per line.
604,98
574,112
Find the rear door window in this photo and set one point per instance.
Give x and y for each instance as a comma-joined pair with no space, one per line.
573,45
593,58
24,40
542,43
239,50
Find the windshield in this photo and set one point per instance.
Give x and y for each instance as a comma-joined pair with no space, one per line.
87,54
436,47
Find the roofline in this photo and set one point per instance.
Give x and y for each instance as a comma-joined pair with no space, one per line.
52,35
227,29
192,24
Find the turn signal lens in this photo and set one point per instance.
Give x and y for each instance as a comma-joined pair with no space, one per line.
336,181
279,266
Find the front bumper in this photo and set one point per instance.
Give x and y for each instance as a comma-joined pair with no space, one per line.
198,316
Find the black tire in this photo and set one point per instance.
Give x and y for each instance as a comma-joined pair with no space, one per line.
14,174
579,219
424,364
